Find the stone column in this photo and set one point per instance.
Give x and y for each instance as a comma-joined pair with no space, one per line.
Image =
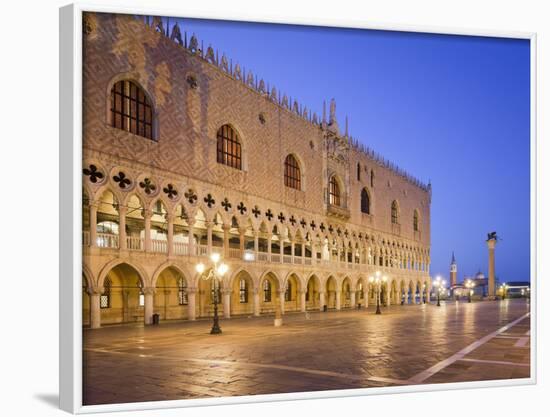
226,228
242,231
303,252
321,300
170,234
338,297
149,305
282,300
95,308
147,214
352,299
209,225
366,296
491,243
122,227
227,304
256,301
313,253
269,247
191,303
281,247
94,205
191,239
302,301
388,295
292,248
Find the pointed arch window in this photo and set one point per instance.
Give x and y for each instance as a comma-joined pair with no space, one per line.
267,291
372,178
358,171
334,192
394,212
243,291
131,109
182,292
365,201
229,147
105,297
293,175
415,221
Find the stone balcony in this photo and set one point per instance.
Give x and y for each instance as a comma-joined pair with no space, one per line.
233,255
339,212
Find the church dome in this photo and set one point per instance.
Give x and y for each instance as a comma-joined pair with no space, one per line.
480,275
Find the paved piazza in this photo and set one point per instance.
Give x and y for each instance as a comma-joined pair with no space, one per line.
316,351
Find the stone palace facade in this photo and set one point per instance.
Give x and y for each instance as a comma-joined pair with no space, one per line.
186,153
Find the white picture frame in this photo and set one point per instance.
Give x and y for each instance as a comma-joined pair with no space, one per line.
70,215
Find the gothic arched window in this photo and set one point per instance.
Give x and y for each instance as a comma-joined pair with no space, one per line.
229,147
267,291
131,109
394,212
415,221
243,291
293,175
358,171
365,201
372,178
105,298
182,292
334,191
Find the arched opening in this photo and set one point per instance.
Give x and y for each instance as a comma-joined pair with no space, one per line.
159,228
312,293
199,236
181,231
229,147
331,288
242,290
292,291
293,173
365,201
334,193
345,296
217,232
394,212
171,297
415,221
122,300
269,287
209,291
131,109
107,221
135,224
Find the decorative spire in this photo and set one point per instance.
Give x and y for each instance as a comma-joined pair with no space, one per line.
453,261
332,122
346,133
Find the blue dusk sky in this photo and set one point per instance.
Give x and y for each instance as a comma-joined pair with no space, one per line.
453,110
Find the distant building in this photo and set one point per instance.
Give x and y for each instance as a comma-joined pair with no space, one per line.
517,289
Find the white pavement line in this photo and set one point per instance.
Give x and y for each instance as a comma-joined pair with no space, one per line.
495,362
261,365
507,337
522,342
422,376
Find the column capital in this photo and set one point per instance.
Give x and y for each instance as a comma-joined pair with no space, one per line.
149,290
122,209
209,224
192,290
95,290
146,213
226,291
94,204
169,217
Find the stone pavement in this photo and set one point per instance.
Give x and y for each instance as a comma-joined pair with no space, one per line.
405,345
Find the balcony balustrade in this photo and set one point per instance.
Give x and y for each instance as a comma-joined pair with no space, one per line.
135,243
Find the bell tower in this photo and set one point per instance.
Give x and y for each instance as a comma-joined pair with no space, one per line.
454,271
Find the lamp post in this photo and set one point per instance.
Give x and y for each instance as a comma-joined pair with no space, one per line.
469,284
378,280
215,272
439,284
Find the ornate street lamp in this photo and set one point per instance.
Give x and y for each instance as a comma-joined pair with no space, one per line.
215,272
469,284
440,285
378,282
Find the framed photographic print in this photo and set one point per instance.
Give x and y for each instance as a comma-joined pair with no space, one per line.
274,210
